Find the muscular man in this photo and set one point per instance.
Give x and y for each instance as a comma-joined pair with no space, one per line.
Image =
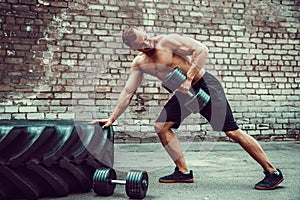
158,56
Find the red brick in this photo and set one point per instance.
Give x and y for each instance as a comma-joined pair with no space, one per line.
23,88
73,49
54,10
30,41
12,1
4,6
21,35
12,60
44,95
21,47
30,2
11,27
39,47
15,80
45,16
59,4
20,7
32,28
39,22
40,9
5,88
32,61
42,28
73,37
10,20
2,52
20,20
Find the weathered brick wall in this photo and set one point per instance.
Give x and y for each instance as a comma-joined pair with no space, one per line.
64,59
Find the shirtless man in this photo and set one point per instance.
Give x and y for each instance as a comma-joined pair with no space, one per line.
158,56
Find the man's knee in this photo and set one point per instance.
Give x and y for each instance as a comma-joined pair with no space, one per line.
161,127
234,135
157,127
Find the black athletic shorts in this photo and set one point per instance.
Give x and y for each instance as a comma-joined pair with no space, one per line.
217,111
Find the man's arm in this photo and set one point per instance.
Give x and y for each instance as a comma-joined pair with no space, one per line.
133,82
199,56
185,46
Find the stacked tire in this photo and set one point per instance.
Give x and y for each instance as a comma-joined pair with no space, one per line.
51,159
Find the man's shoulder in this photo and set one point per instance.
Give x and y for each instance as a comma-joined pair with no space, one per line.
166,37
169,40
171,36
139,59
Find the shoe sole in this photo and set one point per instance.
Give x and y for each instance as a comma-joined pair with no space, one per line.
271,188
177,181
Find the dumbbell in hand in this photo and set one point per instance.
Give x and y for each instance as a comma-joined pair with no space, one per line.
105,180
172,82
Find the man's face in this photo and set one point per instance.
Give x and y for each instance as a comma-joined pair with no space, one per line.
142,42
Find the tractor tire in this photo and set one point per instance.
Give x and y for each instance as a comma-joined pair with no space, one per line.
51,158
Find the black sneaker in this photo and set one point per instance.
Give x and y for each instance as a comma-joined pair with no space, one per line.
178,177
271,181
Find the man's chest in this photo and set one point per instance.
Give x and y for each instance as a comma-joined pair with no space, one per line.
158,64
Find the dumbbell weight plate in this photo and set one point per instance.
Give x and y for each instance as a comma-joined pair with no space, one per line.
173,80
102,181
198,102
136,184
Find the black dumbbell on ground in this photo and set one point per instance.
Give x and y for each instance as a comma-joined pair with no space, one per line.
105,180
172,82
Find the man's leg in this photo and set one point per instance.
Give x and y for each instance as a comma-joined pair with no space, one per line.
273,177
171,144
173,147
252,147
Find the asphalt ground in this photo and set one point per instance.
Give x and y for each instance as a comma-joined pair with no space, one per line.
222,171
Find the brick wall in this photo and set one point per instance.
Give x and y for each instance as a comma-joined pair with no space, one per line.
64,59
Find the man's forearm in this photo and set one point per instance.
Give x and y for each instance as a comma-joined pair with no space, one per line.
122,104
198,61
192,72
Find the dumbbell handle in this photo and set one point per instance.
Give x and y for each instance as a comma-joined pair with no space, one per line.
190,94
120,182
123,182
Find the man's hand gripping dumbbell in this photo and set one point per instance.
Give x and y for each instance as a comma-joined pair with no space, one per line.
172,82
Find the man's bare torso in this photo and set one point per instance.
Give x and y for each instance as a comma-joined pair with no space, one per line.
160,61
